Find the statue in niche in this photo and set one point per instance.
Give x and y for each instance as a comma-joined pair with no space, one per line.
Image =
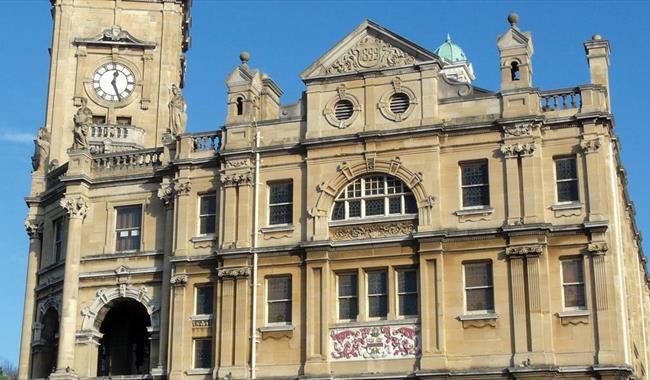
177,109
41,149
82,121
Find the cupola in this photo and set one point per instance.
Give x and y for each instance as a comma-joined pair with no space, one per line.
456,66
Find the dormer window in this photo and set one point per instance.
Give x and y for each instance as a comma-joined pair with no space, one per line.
514,71
240,106
374,196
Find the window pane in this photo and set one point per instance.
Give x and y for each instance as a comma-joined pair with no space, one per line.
279,288
480,299
375,207
374,185
348,308
395,205
129,217
394,185
203,353
208,205
281,193
339,211
410,204
476,196
474,174
478,274
347,285
567,191
279,312
565,168
572,271
280,214
407,281
377,306
408,304
208,224
354,189
354,209
204,299
377,283
574,295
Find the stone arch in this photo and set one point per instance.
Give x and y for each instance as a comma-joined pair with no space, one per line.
347,172
93,315
50,303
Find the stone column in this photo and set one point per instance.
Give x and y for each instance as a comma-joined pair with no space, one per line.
77,208
176,339
596,177
604,316
531,178
317,314
166,193
34,230
513,196
519,327
183,226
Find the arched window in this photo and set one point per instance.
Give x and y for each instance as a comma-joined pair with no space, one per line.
374,196
514,71
240,106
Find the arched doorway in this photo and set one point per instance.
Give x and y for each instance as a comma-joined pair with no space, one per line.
124,347
46,349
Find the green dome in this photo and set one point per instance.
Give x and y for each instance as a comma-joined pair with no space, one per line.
450,52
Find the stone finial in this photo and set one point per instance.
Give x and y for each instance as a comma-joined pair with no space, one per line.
596,37
513,19
244,56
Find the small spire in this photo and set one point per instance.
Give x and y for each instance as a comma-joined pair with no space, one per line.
448,38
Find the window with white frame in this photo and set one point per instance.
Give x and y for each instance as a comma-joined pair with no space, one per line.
377,293
58,239
207,214
479,288
278,299
127,229
348,296
566,177
280,203
203,353
204,299
374,196
475,185
573,283
407,292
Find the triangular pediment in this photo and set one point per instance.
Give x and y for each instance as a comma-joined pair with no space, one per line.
513,39
115,35
369,47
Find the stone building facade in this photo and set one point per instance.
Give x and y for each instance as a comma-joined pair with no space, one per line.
396,221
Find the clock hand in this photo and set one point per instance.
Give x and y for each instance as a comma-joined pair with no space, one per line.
114,83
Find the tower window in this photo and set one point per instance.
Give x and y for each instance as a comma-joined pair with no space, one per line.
514,71
240,106
399,103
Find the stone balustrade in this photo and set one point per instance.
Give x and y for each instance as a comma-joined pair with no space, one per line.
561,100
144,158
108,138
209,141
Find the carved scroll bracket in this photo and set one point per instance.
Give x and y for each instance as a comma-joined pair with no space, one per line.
76,207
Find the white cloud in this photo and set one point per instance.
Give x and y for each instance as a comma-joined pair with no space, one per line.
16,137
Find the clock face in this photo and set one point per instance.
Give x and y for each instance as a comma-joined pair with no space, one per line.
113,82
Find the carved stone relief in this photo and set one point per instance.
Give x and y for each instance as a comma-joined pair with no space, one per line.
518,149
76,207
370,53
372,231
591,146
525,250
233,272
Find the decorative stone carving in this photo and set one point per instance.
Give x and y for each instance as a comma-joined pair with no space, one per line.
428,202
234,164
373,230
384,102
518,130
177,108
330,113
478,321
524,250
178,280
591,146
518,149
34,228
76,207
41,149
370,53
115,35
598,248
166,193
234,272
104,296
374,342
182,186
201,321
82,122
237,179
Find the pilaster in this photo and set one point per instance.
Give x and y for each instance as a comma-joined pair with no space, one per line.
182,187
432,305
177,338
596,175
317,314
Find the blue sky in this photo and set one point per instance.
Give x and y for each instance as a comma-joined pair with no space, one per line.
286,37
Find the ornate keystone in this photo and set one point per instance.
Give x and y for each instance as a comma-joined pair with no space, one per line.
234,272
598,248
76,207
524,250
178,280
516,150
591,146
34,228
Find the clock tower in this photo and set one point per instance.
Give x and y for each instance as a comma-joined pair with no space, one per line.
116,62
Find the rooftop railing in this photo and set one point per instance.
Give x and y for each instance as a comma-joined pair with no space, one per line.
560,100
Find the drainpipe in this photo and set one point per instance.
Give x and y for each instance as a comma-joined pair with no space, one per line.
256,205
